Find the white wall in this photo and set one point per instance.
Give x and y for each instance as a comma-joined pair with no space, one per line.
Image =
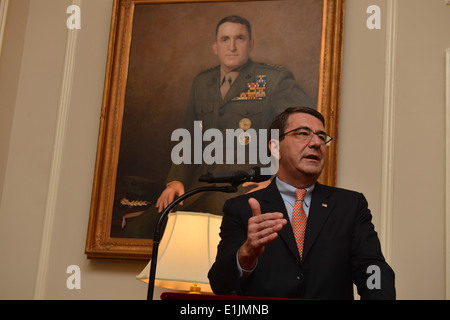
419,166
45,194
408,160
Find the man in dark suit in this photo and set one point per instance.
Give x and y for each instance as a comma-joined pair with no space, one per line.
266,249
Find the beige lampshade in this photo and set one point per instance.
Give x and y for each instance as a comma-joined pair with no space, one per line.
187,250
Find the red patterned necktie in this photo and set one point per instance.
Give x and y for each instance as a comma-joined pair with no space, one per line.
299,219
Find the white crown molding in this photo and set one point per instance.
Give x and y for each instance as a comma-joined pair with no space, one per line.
55,170
387,170
447,174
3,12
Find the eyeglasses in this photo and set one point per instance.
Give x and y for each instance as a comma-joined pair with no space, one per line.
305,134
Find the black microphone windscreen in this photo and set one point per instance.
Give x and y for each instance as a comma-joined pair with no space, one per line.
258,177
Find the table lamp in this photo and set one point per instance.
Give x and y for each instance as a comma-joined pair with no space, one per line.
187,250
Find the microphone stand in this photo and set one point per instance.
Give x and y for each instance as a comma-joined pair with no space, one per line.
157,234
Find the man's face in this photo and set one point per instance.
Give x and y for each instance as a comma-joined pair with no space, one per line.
301,161
233,45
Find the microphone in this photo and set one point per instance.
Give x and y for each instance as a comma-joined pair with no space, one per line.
235,177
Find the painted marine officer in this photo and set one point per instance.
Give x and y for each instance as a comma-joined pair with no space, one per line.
238,93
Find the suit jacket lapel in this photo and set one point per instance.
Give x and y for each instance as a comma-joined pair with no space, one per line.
321,207
273,202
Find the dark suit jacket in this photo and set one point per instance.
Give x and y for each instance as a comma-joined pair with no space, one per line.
206,104
340,245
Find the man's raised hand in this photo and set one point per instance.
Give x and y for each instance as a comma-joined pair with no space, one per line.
262,230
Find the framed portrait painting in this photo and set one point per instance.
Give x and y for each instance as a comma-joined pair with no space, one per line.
156,49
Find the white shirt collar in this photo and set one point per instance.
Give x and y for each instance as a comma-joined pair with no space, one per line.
288,193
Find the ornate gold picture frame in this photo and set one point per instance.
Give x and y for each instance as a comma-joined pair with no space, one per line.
140,35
